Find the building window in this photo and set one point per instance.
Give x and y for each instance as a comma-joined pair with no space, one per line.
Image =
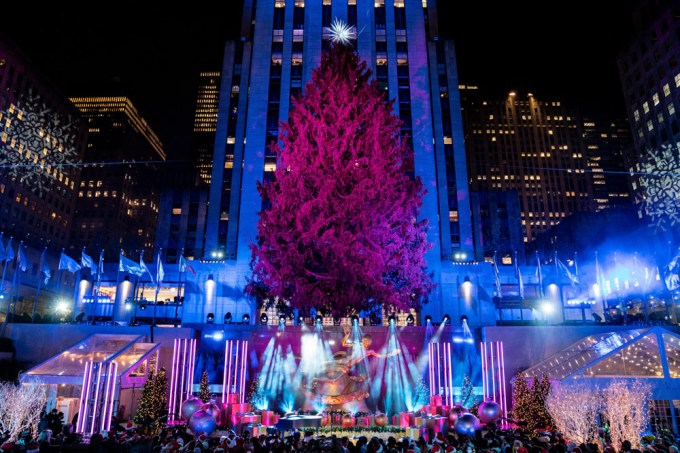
176,211
677,80
645,107
671,108
636,114
666,90
655,98
650,125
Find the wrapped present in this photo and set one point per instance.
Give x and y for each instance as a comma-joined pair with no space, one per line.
433,409
235,411
267,418
405,419
363,420
233,398
371,420
445,411
336,419
256,430
251,418
413,433
435,400
420,422
396,420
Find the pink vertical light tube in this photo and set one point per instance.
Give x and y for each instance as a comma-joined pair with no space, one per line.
493,371
192,360
505,396
431,366
173,377
84,396
450,377
236,363
439,368
244,351
227,383
108,399
444,371
96,397
224,372
182,362
483,348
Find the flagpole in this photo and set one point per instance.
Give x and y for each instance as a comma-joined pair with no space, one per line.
115,305
158,287
75,293
179,284
18,275
95,289
11,292
37,291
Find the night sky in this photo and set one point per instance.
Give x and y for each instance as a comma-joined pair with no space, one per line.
563,50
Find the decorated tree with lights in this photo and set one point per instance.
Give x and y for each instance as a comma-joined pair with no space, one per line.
521,398
20,408
153,402
540,390
467,393
574,408
342,230
204,388
626,409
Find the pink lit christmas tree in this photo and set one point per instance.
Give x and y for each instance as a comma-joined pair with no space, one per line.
342,230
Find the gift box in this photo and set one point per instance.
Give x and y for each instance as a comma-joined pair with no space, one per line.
413,433
233,398
256,430
405,419
251,419
435,400
420,422
267,418
363,420
336,419
235,412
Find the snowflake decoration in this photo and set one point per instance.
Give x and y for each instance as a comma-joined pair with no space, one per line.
36,142
342,33
660,180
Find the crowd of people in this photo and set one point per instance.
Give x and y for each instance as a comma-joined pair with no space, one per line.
57,436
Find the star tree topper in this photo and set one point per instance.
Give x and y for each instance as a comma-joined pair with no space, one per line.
342,33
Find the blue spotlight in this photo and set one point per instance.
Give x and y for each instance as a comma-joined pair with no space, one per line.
446,320
392,320
428,319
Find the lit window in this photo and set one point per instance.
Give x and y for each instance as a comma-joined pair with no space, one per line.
671,108
645,106
176,211
677,80
636,115
655,98
659,118
666,90
650,125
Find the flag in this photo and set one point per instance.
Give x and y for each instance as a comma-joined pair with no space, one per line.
100,272
497,276
127,265
68,263
539,275
22,262
144,268
160,273
598,275
572,278
9,251
518,274
87,261
184,265
671,272
45,267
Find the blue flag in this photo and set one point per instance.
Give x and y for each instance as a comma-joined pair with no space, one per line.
142,264
127,265
9,251
160,272
45,267
68,263
22,262
87,261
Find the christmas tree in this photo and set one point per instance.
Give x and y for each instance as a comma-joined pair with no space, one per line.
467,393
153,403
204,389
521,399
540,391
342,231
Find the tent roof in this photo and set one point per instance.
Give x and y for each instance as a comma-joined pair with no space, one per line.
638,353
68,366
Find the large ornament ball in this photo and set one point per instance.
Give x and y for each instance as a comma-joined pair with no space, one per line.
214,409
381,420
202,421
189,406
348,421
489,411
467,424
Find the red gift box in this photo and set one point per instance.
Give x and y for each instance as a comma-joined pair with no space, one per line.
435,400
267,418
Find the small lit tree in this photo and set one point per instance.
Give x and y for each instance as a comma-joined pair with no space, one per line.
626,408
204,388
20,408
574,408
145,412
154,401
539,394
521,398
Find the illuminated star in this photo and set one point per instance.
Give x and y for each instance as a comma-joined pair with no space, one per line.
342,33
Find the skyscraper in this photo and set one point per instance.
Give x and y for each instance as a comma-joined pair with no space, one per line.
119,191
281,43
205,123
40,134
533,147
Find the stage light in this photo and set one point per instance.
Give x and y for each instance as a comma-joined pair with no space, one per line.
428,319
319,320
227,318
547,308
128,306
264,319
217,335
142,307
410,320
392,320
211,318
2,296
336,321
446,320
282,320
464,319
355,320
210,277
300,321
245,319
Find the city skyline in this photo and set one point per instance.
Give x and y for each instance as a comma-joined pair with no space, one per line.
157,58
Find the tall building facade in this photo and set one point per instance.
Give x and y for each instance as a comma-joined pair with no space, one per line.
649,68
205,123
530,146
118,194
281,43
608,150
40,134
